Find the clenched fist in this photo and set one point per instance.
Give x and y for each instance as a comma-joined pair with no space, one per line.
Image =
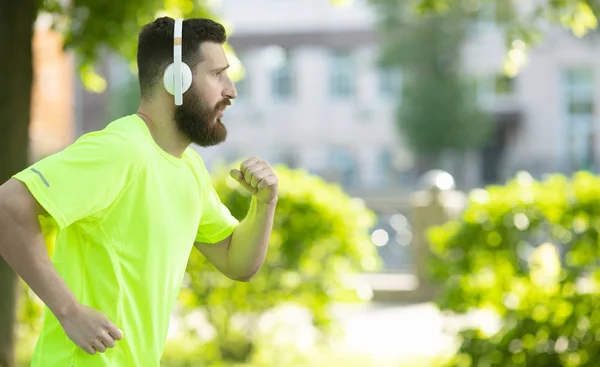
90,329
257,176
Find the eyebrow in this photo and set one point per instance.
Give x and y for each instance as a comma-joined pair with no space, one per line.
219,69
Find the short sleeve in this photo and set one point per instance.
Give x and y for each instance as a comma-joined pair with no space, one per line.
217,222
83,179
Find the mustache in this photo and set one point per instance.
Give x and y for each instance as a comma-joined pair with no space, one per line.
224,103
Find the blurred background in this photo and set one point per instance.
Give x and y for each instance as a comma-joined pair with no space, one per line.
439,206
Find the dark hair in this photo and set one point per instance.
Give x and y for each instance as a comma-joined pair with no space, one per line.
155,47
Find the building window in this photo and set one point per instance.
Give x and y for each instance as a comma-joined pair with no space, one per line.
342,75
384,165
282,79
390,82
579,110
345,167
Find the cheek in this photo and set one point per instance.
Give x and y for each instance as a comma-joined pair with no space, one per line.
209,90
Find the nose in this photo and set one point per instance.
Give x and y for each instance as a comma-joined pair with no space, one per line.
229,91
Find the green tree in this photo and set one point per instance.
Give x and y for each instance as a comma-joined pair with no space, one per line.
438,112
523,28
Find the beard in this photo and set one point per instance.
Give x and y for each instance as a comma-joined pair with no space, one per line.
200,122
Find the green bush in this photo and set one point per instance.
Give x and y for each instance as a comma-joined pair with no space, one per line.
320,236
529,252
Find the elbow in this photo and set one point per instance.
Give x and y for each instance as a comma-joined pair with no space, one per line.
244,278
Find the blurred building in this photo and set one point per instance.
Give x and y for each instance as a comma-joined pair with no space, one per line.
546,120
313,96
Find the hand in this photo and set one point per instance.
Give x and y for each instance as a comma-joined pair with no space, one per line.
90,329
257,176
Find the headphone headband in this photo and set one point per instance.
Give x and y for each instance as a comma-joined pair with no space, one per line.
177,77
177,43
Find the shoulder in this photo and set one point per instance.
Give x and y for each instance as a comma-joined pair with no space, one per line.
120,140
196,162
199,170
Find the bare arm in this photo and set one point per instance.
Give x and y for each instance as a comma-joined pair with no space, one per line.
241,255
23,247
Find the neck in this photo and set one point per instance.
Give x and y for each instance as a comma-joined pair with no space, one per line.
163,128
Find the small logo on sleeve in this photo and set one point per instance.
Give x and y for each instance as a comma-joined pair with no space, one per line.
41,176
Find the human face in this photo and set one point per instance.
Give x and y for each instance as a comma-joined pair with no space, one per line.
199,117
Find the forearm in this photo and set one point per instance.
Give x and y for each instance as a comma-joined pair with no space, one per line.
23,248
250,240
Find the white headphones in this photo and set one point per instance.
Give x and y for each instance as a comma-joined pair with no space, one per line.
178,75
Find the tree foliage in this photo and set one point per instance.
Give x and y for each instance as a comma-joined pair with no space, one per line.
91,27
438,111
523,22
528,252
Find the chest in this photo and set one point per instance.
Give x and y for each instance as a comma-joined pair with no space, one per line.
173,198
161,210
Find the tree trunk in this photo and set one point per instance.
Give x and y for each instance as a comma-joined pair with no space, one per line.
16,75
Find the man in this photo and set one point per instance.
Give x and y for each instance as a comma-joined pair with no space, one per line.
129,203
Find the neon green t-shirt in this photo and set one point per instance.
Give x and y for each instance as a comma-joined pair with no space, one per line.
127,215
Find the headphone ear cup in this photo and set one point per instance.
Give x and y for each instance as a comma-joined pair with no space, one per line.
168,79
186,77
